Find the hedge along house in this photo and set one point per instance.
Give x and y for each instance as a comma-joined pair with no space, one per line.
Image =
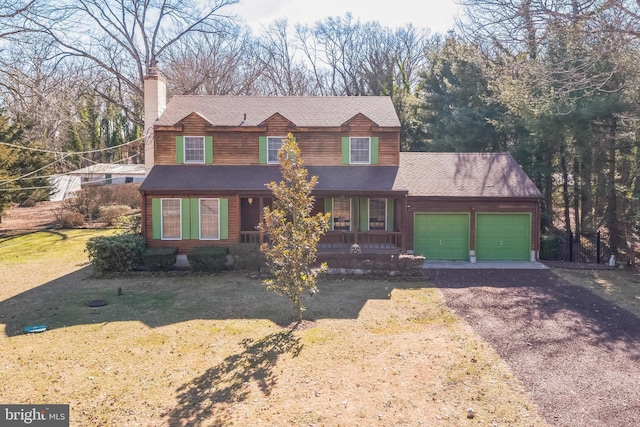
209,159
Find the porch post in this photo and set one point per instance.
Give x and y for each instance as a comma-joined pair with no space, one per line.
261,235
356,219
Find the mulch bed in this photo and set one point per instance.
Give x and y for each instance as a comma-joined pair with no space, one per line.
576,353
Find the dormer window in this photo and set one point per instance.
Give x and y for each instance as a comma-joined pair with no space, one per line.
194,149
359,150
274,143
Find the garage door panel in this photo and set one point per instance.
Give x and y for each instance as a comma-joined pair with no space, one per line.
442,236
503,237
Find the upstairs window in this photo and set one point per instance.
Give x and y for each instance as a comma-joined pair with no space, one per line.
194,149
359,150
377,214
274,143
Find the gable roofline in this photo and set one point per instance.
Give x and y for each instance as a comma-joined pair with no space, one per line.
346,123
191,114
274,115
303,111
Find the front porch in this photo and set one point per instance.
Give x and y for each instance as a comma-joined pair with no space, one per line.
382,229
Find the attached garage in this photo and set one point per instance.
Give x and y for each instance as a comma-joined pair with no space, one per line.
442,236
503,236
469,206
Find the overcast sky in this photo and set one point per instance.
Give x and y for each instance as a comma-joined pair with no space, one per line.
437,15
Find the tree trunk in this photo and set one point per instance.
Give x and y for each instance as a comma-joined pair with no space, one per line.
612,200
565,193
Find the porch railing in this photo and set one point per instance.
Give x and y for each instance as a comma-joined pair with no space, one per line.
344,239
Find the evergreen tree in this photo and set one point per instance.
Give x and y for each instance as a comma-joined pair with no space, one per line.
293,232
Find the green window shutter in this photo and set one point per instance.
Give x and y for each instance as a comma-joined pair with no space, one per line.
208,149
374,150
195,218
179,149
156,218
262,146
185,208
345,150
328,207
364,214
390,211
224,219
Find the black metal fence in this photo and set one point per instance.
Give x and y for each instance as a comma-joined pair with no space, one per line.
569,247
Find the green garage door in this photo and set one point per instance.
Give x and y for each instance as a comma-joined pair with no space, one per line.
441,236
503,237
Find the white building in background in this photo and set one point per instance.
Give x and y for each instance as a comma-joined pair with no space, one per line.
99,174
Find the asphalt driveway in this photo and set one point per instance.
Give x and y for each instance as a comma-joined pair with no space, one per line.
576,353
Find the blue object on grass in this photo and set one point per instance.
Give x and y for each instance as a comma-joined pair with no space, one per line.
34,329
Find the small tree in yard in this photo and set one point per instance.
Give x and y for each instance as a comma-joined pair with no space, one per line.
293,232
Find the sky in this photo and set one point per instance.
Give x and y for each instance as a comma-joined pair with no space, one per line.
437,15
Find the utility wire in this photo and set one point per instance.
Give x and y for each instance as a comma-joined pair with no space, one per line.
69,153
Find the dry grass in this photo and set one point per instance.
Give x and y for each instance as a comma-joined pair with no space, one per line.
217,350
620,286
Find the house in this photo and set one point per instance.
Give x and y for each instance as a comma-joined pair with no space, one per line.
64,186
209,159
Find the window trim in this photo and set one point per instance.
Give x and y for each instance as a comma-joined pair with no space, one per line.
333,213
368,161
162,236
184,149
200,237
386,213
269,139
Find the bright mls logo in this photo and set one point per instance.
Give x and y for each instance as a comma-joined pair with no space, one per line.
34,415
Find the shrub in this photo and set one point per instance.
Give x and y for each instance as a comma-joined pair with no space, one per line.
207,258
159,259
71,220
246,257
131,223
88,200
372,263
115,253
126,194
109,214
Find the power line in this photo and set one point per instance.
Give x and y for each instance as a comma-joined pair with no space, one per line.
69,153
32,172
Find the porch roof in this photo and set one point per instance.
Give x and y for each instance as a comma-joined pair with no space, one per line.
178,178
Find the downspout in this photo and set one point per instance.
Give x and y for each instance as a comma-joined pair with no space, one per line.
405,219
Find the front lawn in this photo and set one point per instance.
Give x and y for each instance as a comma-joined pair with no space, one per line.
217,350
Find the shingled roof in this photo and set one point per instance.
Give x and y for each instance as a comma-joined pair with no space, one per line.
303,111
358,179
465,175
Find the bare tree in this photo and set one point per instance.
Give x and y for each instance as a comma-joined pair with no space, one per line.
123,37
212,64
281,62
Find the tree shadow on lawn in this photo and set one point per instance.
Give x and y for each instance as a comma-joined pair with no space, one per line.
158,300
208,396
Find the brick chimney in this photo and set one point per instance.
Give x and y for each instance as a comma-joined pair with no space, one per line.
155,101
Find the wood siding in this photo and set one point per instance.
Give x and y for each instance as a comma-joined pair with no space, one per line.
473,206
239,146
